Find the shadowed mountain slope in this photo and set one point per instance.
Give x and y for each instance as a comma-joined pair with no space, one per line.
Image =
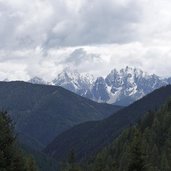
88,138
42,112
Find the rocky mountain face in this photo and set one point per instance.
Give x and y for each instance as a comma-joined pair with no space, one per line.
121,87
126,86
75,82
37,80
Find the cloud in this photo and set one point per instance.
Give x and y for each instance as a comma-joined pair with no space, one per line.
42,37
56,23
79,57
63,23
97,22
97,60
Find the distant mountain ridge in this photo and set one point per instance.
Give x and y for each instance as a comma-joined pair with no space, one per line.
74,81
41,112
121,87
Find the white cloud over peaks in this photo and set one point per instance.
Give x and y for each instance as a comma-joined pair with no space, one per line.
56,23
155,25
42,37
25,24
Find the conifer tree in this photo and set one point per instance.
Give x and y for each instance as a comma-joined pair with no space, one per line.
11,158
71,164
164,163
137,162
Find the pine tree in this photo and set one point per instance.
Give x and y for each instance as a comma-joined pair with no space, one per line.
11,158
154,157
164,163
137,162
31,165
71,164
7,140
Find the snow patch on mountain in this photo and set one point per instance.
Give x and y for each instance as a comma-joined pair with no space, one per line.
37,80
75,82
120,87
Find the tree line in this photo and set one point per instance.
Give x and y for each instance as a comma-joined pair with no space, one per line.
145,146
11,156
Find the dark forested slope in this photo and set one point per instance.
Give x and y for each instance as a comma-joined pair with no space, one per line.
144,147
88,138
41,112
11,156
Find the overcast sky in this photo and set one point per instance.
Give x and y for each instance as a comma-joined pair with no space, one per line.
41,37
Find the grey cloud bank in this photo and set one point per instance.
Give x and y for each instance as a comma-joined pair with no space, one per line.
51,23
42,37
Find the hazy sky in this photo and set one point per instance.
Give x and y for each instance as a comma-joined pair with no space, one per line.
41,37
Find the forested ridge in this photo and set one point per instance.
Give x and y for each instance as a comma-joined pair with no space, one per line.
11,156
41,112
143,147
89,138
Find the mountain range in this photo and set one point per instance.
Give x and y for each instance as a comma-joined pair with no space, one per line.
120,87
57,120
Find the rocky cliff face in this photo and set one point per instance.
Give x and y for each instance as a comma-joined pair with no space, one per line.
120,87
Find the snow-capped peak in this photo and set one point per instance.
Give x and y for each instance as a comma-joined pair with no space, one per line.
37,80
74,81
136,72
71,73
121,87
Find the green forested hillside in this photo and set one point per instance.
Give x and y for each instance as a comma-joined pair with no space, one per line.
144,147
41,112
11,157
88,138
15,156
43,162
